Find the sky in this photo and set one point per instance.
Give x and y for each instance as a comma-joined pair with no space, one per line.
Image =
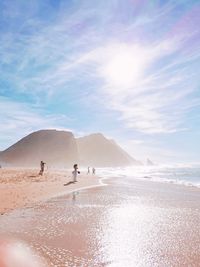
129,69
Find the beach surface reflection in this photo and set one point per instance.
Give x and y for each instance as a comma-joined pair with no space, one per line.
129,223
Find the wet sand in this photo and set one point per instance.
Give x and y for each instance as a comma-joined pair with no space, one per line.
125,223
20,188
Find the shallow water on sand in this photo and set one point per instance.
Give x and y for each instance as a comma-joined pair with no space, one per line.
121,224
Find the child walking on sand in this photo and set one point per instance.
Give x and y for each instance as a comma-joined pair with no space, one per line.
75,173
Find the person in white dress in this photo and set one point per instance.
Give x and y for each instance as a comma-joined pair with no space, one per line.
75,172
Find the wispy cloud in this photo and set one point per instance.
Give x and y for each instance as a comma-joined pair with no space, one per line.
18,119
147,97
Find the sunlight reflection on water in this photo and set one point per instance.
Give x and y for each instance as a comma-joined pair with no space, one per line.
112,226
124,235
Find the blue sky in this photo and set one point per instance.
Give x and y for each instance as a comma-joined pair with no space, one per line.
127,68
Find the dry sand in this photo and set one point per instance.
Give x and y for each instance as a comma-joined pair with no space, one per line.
20,188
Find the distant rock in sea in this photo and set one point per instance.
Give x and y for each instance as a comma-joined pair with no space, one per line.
62,149
149,163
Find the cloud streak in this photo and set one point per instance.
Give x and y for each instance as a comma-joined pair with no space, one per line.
157,100
18,119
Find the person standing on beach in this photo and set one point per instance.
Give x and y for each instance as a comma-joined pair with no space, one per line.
75,173
93,171
88,170
42,163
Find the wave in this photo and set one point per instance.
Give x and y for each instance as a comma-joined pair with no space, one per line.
182,175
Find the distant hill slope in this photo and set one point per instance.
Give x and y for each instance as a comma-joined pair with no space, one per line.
57,148
96,150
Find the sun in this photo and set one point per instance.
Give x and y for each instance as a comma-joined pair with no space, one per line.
123,66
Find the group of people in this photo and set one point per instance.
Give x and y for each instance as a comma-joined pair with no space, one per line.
93,171
75,172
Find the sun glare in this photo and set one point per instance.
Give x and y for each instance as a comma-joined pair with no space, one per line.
124,65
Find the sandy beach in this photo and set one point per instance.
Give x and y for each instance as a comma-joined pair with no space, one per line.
138,223
20,188
99,138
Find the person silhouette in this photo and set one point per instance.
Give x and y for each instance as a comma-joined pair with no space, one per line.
93,171
75,173
42,164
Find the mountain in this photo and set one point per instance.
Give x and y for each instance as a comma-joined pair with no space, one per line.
96,150
57,148
61,149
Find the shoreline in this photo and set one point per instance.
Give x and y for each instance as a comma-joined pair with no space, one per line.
187,184
158,224
184,183
20,188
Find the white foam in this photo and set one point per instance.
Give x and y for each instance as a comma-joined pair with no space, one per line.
182,174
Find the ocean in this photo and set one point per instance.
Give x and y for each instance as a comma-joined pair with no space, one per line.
186,175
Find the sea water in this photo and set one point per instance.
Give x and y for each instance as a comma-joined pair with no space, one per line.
187,175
